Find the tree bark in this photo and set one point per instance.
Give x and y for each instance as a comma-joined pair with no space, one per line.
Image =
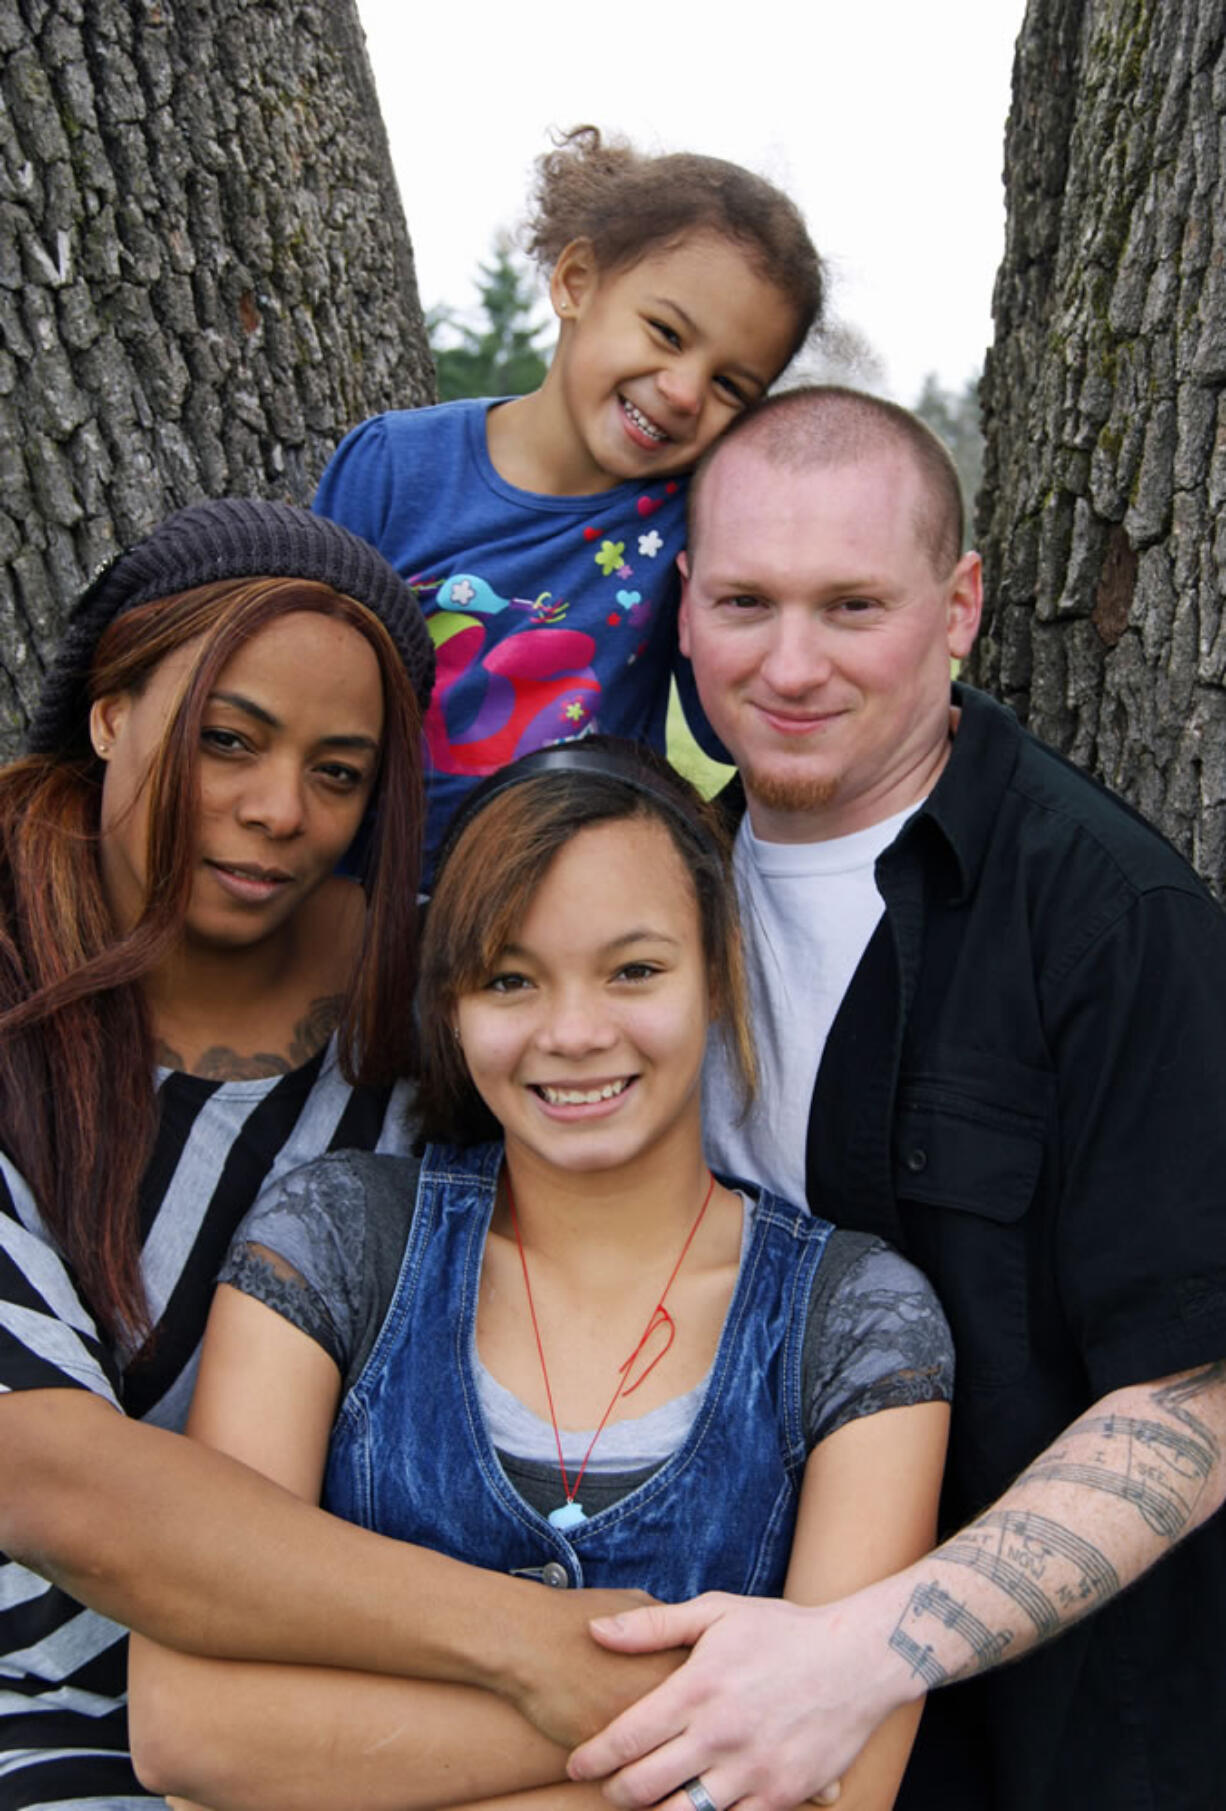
205,278
1101,513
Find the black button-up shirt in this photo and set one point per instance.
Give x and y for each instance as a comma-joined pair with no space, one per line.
1025,1091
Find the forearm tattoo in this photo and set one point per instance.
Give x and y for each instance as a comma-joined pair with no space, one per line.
1160,1466
1048,1573
918,1635
1155,1467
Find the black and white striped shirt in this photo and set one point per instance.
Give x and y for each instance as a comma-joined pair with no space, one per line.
63,1727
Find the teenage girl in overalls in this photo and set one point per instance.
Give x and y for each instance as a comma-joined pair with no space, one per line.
587,1361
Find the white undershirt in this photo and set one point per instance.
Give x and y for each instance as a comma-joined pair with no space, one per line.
808,911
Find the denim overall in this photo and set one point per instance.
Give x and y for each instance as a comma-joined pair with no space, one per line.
410,1455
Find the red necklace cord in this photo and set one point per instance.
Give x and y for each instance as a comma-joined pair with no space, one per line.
659,1316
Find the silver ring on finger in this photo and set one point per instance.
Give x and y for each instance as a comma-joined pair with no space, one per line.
698,1795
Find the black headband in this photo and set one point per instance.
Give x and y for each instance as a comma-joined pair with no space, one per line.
599,757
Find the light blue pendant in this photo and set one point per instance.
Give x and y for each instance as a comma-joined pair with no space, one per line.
567,1515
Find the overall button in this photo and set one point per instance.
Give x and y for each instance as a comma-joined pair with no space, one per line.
917,1160
555,1574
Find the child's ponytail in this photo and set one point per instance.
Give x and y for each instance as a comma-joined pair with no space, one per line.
625,202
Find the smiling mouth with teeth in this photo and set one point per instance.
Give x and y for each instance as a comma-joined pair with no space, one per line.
643,422
580,1097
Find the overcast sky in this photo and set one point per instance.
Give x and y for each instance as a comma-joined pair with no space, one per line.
884,119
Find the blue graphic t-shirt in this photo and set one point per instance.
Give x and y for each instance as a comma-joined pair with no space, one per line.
552,617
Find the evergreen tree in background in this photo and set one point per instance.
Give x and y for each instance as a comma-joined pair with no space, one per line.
500,356
954,415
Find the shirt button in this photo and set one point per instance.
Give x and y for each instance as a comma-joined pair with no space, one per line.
917,1160
555,1574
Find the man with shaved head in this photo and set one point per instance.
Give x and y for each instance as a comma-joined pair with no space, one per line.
990,1002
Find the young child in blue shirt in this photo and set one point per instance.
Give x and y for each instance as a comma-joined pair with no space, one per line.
541,532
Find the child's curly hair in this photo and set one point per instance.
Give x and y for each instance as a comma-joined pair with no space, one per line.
624,202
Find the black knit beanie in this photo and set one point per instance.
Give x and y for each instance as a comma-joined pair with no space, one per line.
231,538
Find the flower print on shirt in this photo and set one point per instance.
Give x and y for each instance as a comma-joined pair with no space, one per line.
609,556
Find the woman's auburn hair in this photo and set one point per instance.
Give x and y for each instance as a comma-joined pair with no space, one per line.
485,887
78,1110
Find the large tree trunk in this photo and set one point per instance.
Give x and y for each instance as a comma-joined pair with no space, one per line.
1103,398
204,277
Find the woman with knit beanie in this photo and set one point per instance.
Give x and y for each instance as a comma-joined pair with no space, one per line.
192,1002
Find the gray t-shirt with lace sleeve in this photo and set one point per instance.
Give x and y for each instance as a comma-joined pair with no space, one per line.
325,1249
